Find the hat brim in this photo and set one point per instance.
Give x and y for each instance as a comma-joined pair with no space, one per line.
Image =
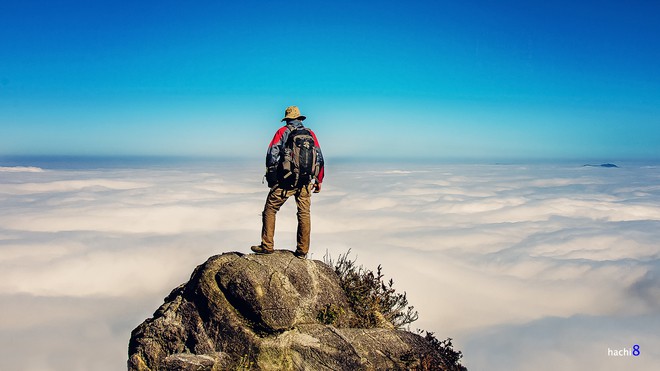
301,118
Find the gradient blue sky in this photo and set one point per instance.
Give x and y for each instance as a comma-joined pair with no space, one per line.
435,79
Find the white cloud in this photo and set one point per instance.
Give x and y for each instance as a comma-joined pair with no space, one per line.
483,251
570,343
20,169
68,185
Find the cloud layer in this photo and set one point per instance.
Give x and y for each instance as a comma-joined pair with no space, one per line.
522,265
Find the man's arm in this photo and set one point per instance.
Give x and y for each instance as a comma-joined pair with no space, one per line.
275,146
319,159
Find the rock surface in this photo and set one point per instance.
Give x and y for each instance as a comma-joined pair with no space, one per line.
261,312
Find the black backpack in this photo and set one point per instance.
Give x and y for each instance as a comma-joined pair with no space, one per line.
298,164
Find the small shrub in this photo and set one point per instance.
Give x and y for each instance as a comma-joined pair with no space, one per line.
329,314
444,357
371,298
244,363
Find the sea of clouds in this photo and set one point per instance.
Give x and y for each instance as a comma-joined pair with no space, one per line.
526,267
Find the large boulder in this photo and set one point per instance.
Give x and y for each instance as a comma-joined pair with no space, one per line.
264,312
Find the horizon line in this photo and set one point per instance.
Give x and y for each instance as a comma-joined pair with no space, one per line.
163,158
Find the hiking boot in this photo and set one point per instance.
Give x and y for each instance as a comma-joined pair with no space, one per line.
300,255
259,249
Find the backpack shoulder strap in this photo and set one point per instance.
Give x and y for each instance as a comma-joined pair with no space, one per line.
290,129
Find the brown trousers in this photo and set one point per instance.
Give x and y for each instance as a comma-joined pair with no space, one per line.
276,198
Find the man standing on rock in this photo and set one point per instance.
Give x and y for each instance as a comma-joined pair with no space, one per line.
294,167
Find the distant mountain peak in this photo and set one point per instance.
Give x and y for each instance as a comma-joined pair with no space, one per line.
601,165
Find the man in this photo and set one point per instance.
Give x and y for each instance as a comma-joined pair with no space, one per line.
294,168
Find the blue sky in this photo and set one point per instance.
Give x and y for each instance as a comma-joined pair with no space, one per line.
431,79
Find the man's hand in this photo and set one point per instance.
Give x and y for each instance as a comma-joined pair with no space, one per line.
317,187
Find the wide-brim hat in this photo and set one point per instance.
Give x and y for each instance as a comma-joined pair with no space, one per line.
293,113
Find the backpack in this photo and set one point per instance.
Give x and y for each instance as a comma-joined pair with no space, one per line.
299,164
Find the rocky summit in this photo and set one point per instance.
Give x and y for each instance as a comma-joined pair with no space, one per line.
268,312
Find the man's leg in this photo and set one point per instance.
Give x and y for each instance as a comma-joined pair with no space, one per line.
303,201
275,200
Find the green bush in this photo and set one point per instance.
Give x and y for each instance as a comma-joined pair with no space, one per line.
445,357
371,298
329,314
374,300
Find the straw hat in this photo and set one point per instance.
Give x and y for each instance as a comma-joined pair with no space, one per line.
293,113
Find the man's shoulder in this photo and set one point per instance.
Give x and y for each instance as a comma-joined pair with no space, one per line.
282,131
311,131
279,136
